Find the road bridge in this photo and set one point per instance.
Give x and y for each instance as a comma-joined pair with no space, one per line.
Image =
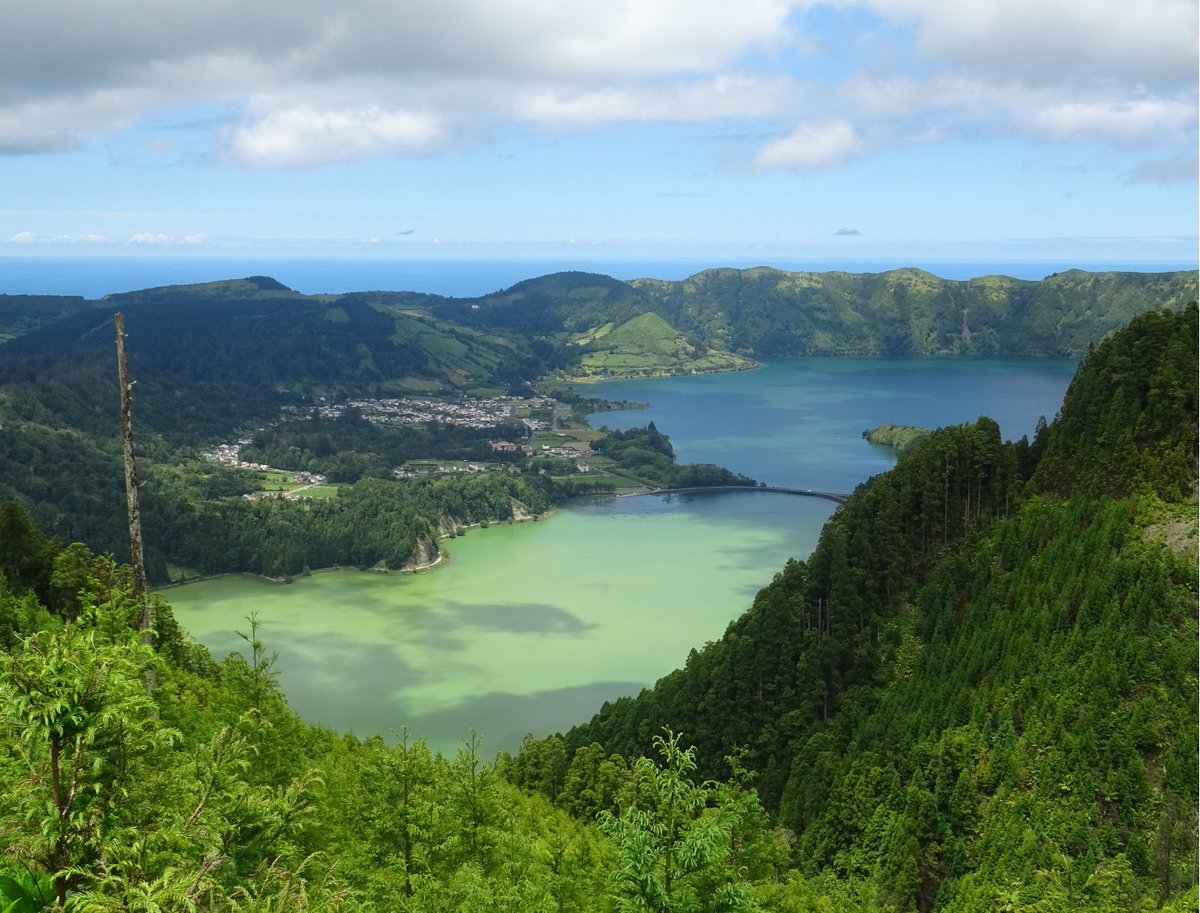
777,489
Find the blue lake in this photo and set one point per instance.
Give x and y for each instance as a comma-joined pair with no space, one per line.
798,422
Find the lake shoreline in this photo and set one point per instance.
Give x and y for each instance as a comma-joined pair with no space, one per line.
442,559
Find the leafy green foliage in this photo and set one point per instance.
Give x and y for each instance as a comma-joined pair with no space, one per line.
674,840
1129,415
29,892
898,437
371,523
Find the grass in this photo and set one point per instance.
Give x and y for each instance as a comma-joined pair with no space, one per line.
591,480
648,345
320,492
278,480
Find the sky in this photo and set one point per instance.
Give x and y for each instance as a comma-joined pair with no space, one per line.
600,128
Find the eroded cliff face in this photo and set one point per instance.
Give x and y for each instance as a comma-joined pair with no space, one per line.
425,554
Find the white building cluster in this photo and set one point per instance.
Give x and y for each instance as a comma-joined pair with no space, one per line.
467,411
230,455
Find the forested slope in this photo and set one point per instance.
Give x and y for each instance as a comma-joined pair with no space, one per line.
207,362
908,311
981,687
978,694
770,312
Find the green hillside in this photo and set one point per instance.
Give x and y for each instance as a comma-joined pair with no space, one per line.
230,336
977,695
769,312
980,688
909,312
207,359
645,346
21,314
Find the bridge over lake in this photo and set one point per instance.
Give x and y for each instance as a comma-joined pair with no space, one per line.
805,492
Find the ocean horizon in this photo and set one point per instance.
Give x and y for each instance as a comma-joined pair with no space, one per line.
95,277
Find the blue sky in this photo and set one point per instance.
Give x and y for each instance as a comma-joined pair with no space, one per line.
1022,129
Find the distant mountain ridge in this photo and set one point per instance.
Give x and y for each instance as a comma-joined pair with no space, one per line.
752,312
212,355
769,312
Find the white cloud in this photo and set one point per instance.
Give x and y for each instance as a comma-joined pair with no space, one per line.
49,123
313,82
150,237
1151,43
961,106
720,97
303,136
67,74
29,237
1063,71
1120,122
811,146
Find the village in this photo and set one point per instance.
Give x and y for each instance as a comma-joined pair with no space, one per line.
469,412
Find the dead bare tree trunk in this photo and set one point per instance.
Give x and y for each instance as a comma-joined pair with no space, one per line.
137,559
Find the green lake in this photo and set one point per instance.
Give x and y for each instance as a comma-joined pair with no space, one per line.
532,626
529,627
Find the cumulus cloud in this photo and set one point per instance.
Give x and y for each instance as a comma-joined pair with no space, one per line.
719,97
304,136
1151,44
314,82
811,146
66,74
1062,71
847,233
937,106
1119,122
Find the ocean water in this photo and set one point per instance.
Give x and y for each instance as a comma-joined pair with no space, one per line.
95,277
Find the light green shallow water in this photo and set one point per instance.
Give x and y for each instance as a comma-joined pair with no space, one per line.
530,627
